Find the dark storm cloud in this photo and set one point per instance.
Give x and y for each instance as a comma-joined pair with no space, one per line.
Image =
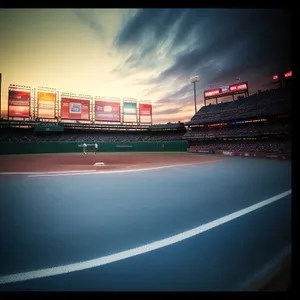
159,21
244,43
226,43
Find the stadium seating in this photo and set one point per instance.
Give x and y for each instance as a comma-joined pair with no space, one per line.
269,102
283,146
246,130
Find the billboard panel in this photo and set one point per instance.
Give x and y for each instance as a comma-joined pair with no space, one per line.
18,103
233,88
130,112
75,109
107,111
129,108
211,93
145,112
288,74
46,104
145,109
243,86
275,78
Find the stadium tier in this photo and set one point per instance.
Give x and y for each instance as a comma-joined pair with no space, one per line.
266,103
257,123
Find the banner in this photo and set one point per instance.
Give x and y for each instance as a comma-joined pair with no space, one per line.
75,109
129,108
275,78
145,109
145,112
130,112
233,88
18,103
46,104
288,74
210,151
107,111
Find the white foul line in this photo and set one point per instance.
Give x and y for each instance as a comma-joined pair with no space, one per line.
94,172
136,251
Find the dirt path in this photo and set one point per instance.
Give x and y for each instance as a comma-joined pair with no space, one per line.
80,162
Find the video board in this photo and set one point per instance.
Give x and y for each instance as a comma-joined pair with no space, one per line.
46,104
107,111
129,112
18,103
145,112
75,109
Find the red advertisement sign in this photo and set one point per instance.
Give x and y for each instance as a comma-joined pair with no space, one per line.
275,78
288,74
145,109
18,103
19,111
243,86
75,109
238,87
211,93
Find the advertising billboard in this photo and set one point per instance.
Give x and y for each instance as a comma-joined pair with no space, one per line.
129,108
275,78
75,109
288,74
233,88
46,104
107,111
130,111
18,103
145,112
239,87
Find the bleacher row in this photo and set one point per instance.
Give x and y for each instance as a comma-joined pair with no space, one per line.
246,130
283,146
233,131
268,102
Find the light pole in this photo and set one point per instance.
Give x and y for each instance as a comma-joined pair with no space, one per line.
193,80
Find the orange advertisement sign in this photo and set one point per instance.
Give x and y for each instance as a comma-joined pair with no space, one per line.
46,104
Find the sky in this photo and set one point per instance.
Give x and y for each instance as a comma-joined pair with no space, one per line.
145,54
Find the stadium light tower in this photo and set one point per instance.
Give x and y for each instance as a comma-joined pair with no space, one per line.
193,80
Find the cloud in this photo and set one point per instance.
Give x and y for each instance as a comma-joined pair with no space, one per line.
225,41
158,21
146,39
178,94
171,45
91,18
167,111
246,42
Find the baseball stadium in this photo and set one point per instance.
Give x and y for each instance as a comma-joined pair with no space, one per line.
95,197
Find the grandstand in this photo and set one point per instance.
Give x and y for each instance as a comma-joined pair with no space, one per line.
260,122
266,103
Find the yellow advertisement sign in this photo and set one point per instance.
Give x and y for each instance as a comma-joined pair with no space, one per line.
46,105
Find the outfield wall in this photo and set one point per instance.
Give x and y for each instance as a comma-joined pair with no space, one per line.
65,147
